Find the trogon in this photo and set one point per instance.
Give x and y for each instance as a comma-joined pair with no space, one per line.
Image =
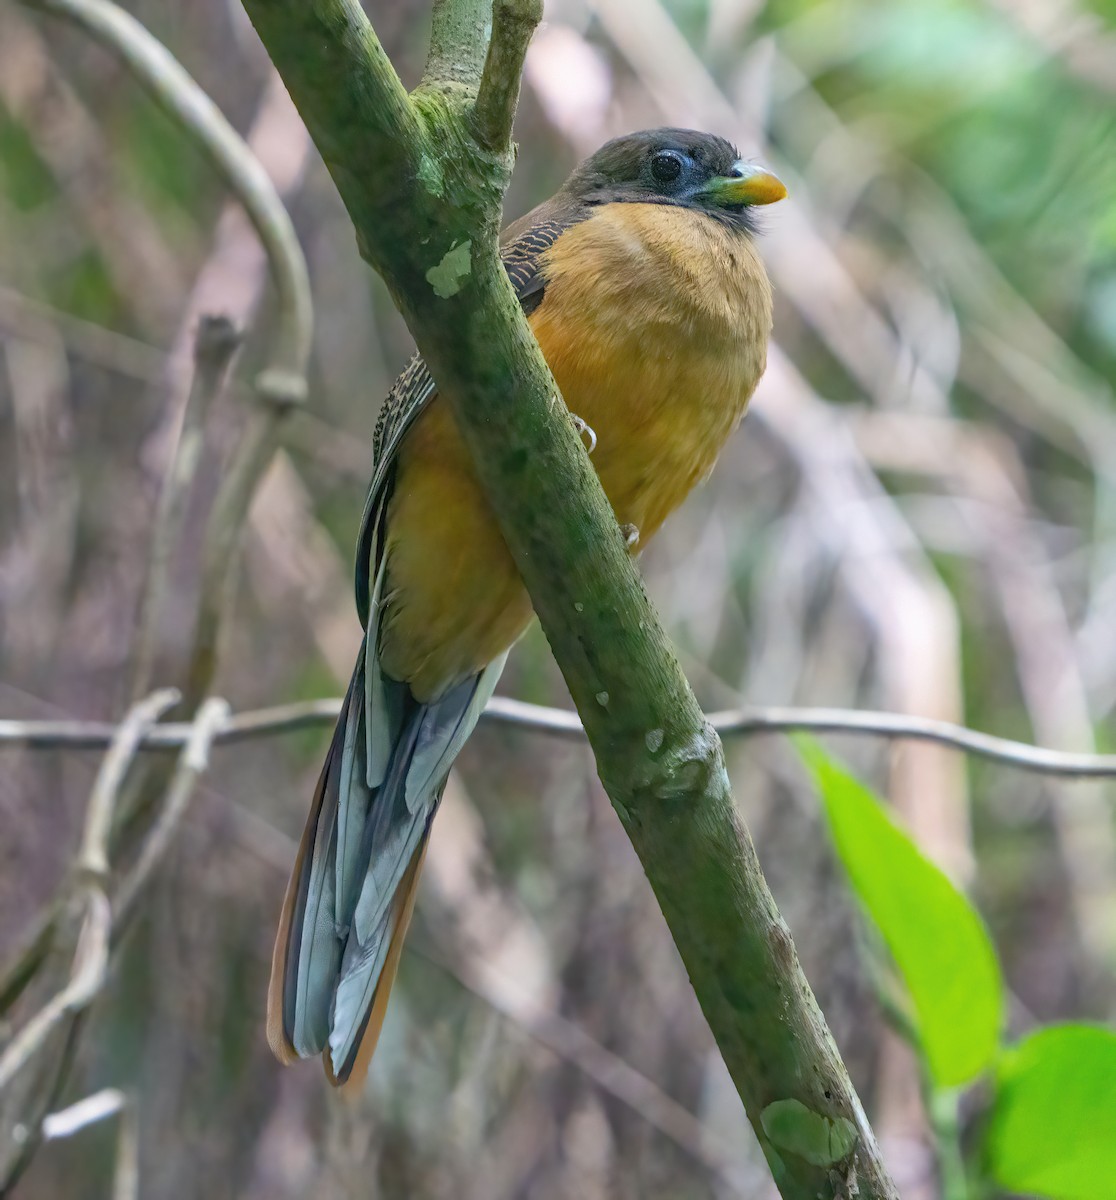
642,283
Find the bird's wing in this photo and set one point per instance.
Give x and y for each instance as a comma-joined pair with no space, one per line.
525,242
352,890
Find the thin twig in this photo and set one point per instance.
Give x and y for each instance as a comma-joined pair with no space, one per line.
20,968
97,918
87,976
93,855
926,729
226,522
109,1102
172,88
609,1071
125,1180
30,319
68,1121
194,759
92,866
215,343
283,382
562,723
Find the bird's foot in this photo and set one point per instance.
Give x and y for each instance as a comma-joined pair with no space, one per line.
631,535
585,431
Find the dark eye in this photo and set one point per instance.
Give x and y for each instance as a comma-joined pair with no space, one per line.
666,166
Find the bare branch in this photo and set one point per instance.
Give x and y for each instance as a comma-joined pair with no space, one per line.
215,343
172,88
192,763
90,912
31,320
458,33
109,1102
375,118
93,735
222,537
68,1121
86,977
93,855
562,723
611,1073
513,24
283,382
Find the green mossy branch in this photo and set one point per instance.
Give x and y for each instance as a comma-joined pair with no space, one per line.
422,177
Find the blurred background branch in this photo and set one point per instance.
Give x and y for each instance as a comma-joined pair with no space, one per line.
91,915
135,833
564,723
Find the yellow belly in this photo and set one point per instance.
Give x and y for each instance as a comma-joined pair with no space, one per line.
655,324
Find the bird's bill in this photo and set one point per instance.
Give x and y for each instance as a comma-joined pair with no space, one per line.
748,184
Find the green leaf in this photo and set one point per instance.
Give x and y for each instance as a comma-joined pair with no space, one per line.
935,936
1053,1126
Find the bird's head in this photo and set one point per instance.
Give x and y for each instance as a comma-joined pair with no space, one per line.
676,166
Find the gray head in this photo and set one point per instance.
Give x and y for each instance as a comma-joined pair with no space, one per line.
675,166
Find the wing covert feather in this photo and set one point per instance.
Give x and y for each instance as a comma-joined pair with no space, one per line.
526,242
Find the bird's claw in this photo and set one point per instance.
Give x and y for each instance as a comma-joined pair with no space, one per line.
583,429
631,535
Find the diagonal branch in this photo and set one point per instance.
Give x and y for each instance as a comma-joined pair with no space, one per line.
280,387
92,924
109,1102
87,975
282,384
661,764
191,765
348,91
216,341
193,111
93,857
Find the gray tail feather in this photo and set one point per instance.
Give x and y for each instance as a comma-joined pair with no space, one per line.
361,844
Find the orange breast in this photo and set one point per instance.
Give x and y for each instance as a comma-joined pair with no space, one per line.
655,324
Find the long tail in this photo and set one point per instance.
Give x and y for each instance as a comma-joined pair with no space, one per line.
352,890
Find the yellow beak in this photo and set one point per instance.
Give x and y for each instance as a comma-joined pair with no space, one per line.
748,184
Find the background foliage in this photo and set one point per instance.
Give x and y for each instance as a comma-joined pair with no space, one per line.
919,515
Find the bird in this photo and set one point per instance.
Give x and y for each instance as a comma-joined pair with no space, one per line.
642,283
